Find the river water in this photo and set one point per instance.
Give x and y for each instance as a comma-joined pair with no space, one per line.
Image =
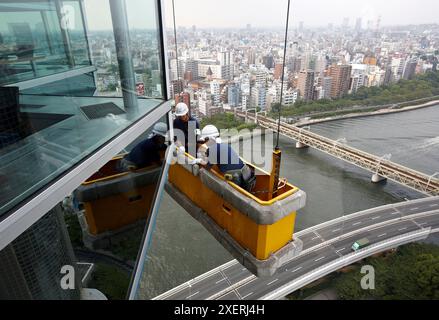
181,249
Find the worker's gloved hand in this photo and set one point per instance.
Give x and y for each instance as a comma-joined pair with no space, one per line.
181,150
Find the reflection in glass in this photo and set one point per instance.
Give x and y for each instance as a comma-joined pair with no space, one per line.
60,103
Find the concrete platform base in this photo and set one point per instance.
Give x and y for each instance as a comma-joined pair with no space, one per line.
260,268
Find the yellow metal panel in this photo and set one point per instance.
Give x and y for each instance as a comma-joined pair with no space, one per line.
260,240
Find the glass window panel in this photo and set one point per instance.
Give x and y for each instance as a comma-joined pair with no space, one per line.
58,106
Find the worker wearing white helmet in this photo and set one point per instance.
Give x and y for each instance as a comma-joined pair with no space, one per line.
228,161
147,152
187,124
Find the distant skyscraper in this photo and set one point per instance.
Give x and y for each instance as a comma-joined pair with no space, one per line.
409,69
177,86
268,61
345,23
278,71
251,56
215,92
326,85
258,97
306,84
294,64
233,94
301,26
183,97
388,76
192,67
225,59
341,80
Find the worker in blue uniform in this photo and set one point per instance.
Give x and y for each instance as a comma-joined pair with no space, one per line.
186,125
146,152
227,160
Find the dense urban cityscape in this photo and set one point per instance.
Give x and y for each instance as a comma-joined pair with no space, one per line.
219,70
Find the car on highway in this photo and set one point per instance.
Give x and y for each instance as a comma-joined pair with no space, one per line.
360,244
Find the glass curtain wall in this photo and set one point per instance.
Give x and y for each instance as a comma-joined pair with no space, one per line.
65,91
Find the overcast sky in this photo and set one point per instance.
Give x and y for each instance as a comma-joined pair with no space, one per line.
269,13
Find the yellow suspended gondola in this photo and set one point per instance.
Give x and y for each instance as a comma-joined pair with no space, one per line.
256,230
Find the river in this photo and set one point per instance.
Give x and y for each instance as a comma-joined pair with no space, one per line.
181,249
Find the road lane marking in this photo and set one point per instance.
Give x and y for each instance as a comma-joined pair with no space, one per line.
270,283
422,224
393,213
356,224
336,230
297,269
382,235
220,280
339,250
434,205
315,238
319,259
193,295
374,218
247,295
402,229
414,209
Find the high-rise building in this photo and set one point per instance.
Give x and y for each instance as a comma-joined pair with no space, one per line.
278,71
326,84
225,59
258,96
388,76
183,97
251,56
180,68
409,69
268,61
341,80
305,84
233,94
192,67
177,87
261,76
294,64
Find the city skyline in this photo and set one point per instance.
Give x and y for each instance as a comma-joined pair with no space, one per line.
313,13
238,14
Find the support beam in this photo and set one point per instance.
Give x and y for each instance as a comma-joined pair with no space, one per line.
123,52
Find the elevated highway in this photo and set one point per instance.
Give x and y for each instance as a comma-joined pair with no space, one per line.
327,248
378,166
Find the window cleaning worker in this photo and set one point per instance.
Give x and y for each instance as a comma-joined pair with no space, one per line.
187,125
227,160
146,152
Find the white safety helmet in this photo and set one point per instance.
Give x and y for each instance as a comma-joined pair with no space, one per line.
210,131
181,109
161,129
